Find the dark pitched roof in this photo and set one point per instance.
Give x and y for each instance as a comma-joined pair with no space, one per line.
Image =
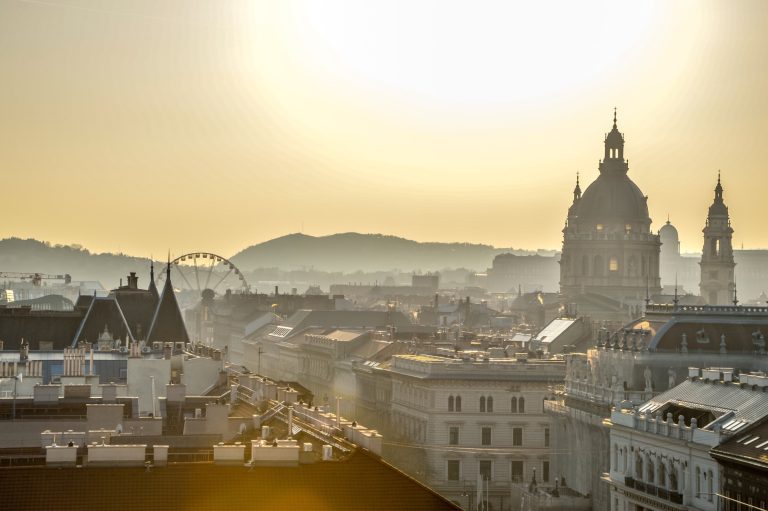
360,482
35,326
167,323
139,307
750,447
103,311
703,327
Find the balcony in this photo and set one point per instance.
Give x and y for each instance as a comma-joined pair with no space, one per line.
649,489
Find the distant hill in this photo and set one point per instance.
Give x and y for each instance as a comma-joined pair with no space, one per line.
365,252
347,253
18,255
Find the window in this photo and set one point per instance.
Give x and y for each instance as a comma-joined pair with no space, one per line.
517,470
613,264
698,481
454,470
545,471
458,403
513,406
450,403
489,404
453,435
628,227
486,469
710,485
482,403
599,227
517,437
546,437
521,405
486,436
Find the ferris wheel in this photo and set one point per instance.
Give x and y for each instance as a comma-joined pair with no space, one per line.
198,271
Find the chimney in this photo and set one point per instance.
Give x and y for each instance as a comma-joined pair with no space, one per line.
133,281
437,300
275,290
167,350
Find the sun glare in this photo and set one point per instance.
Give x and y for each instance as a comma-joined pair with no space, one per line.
470,53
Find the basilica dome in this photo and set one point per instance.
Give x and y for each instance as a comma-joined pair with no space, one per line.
612,197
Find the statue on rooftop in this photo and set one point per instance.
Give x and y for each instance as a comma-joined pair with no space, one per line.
648,375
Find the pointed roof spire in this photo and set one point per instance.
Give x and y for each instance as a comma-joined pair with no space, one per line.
735,296
577,190
614,118
168,268
718,188
675,301
152,286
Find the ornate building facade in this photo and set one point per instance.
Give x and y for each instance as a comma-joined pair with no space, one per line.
608,246
717,285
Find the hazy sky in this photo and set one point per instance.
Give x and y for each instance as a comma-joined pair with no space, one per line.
144,125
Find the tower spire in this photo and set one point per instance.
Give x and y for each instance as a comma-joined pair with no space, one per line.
577,190
168,268
675,301
614,118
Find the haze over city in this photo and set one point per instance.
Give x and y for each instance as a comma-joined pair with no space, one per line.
145,126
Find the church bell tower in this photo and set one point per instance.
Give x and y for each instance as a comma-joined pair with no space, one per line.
717,283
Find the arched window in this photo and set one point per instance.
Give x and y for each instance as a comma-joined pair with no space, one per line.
489,404
698,481
651,471
613,264
662,474
458,403
615,457
639,466
513,406
450,403
521,405
482,403
710,485
598,269
584,265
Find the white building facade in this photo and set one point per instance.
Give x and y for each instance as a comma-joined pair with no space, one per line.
474,430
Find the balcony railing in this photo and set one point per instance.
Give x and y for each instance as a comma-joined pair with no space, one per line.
656,491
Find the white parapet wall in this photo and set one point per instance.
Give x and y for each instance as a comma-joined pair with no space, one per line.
78,438
60,456
160,455
229,454
279,453
117,455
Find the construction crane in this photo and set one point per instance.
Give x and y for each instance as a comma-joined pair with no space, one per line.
35,278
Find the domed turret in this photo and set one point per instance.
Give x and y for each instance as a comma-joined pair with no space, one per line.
670,241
